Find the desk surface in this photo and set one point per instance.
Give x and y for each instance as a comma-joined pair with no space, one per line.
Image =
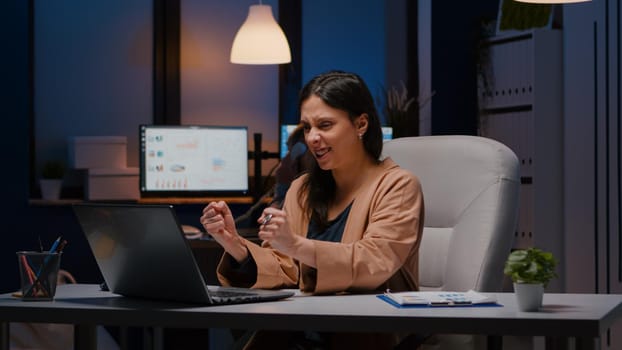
573,315
152,200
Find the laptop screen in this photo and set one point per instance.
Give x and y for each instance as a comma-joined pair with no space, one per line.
193,160
141,251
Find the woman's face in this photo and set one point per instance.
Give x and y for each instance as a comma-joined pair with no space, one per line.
330,135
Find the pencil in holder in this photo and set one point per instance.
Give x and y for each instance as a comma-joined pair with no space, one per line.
38,274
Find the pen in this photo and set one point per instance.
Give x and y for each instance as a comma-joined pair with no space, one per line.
54,245
266,219
47,258
61,246
26,266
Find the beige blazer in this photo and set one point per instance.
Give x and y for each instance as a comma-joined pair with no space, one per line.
379,248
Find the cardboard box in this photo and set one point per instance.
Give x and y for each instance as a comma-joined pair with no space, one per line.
87,152
112,184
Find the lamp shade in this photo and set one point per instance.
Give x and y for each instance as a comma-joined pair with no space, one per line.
551,1
260,39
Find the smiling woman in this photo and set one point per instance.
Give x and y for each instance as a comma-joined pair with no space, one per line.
319,242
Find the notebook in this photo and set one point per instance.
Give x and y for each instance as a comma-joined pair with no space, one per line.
141,252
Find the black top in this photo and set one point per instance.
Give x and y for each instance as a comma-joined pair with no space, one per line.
246,272
334,231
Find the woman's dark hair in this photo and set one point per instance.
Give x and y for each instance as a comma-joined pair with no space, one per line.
347,92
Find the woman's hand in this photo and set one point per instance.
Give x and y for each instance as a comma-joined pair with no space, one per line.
219,223
274,229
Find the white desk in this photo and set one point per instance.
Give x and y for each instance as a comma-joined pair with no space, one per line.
582,316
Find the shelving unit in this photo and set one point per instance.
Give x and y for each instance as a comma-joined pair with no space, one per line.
521,106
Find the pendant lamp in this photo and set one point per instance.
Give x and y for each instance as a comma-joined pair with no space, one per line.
551,1
260,39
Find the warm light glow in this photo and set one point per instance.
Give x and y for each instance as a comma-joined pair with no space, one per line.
551,1
260,40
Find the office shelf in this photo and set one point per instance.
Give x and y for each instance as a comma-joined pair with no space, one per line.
158,200
53,202
521,106
195,200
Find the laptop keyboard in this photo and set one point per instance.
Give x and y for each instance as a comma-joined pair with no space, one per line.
221,296
230,294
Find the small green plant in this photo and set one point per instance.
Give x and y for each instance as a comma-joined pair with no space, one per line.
53,170
531,265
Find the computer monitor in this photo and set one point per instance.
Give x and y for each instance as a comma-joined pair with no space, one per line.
193,160
287,129
387,133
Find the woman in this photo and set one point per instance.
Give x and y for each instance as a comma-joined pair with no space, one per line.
353,223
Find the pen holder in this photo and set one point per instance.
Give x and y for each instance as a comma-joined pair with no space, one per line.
38,274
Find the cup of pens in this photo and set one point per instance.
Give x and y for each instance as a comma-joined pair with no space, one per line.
38,274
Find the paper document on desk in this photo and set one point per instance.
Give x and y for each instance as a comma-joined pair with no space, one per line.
440,298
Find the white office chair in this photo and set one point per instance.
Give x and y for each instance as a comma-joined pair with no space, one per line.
470,187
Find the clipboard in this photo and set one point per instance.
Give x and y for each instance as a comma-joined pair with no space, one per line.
427,299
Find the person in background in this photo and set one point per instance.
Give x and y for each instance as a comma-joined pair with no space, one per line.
352,223
294,163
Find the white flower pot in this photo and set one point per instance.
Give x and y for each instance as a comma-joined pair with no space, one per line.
50,188
529,296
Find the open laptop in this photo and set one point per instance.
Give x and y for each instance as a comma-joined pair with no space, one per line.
141,251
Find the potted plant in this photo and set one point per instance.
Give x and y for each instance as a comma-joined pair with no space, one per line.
531,270
51,181
401,111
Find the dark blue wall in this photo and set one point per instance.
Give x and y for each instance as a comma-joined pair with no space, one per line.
15,140
455,28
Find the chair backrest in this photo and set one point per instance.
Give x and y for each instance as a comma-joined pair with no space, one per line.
470,187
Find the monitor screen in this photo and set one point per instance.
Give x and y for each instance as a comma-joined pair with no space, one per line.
191,160
287,129
387,133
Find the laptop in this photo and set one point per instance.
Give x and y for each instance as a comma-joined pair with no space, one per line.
142,252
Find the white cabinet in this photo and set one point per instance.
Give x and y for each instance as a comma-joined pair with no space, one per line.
521,106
